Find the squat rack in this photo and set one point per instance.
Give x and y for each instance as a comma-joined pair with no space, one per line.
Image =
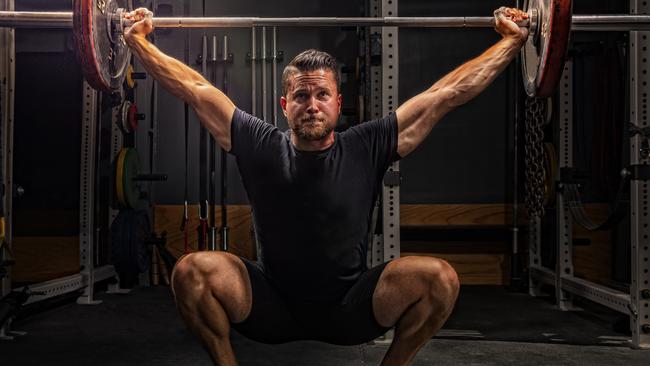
88,241
636,302
385,246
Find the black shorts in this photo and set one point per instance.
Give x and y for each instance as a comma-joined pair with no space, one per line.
273,319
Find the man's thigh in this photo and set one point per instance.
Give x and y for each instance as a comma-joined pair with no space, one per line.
269,320
349,322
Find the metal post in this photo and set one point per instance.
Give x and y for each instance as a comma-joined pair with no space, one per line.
390,193
639,305
274,77
515,258
373,106
390,85
87,192
264,94
253,73
7,73
564,261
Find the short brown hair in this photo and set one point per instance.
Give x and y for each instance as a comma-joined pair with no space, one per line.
310,60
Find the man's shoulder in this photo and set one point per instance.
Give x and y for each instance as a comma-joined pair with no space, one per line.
250,133
243,119
368,126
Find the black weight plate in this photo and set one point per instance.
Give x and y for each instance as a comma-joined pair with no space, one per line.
103,54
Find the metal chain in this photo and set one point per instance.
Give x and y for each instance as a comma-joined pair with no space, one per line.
534,149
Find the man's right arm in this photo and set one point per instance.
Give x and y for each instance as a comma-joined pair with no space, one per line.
214,108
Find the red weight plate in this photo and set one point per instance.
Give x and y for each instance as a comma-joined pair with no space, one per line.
133,117
545,51
82,31
102,54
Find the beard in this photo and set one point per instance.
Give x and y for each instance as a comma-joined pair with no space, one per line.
312,129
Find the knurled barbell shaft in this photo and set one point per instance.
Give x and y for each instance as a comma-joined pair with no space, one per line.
433,22
24,19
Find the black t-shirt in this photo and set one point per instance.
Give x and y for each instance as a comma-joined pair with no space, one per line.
312,210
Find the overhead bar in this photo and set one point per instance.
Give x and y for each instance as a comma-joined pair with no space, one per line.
27,19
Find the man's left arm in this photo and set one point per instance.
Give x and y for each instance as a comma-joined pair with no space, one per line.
417,116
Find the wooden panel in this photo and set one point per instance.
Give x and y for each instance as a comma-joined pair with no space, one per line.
477,263
455,215
473,268
168,218
594,262
41,259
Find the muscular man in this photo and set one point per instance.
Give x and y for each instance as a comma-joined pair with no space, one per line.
312,192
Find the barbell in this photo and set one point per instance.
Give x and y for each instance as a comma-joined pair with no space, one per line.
98,27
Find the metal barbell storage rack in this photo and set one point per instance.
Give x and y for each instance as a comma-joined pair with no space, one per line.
632,23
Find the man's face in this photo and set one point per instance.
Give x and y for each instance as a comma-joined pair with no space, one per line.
312,104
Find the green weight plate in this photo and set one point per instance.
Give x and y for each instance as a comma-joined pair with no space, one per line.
127,167
119,178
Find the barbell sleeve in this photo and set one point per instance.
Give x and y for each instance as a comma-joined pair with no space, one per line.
150,177
35,19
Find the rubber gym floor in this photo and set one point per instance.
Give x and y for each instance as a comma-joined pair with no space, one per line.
489,326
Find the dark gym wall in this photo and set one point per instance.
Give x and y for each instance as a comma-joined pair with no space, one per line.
468,156
469,143
47,131
291,41
464,158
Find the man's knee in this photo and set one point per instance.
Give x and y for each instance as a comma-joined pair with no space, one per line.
217,276
439,279
446,280
196,270
443,284
184,272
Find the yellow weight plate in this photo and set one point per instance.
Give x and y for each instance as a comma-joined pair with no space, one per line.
129,77
119,177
